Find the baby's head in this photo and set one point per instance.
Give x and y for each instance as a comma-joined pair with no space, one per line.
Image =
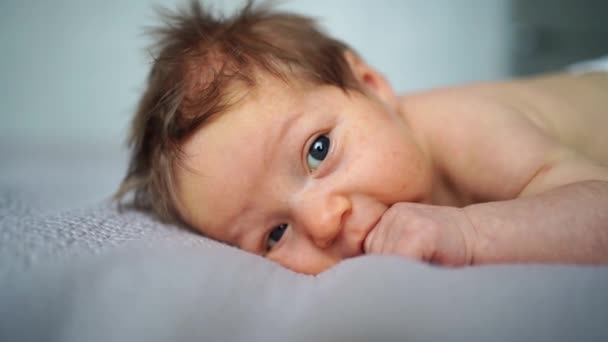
260,131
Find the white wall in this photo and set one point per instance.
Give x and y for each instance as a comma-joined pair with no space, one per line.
71,71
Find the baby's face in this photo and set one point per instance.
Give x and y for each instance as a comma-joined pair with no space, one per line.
300,174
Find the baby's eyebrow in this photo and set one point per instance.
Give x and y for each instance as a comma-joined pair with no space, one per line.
238,231
287,124
228,231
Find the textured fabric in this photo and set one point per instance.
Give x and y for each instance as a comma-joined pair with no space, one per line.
598,64
98,275
28,238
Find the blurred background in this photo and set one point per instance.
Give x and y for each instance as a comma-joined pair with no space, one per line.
71,71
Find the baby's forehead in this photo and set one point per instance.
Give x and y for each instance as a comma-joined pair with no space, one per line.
232,154
256,113
267,93
238,136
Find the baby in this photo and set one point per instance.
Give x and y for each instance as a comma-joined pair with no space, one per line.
260,131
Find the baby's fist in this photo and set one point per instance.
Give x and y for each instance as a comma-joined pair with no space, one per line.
436,234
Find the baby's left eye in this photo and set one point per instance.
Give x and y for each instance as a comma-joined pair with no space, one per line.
275,236
317,152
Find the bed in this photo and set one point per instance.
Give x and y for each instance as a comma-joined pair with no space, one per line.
74,268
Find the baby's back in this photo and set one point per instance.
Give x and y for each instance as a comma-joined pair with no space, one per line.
487,139
575,111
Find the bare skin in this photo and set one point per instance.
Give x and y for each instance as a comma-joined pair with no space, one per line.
501,172
525,160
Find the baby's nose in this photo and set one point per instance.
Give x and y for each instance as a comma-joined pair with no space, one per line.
321,218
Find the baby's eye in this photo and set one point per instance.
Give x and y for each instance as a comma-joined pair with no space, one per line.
317,152
275,235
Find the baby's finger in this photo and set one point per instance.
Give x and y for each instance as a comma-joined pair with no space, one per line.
372,242
367,244
411,247
395,241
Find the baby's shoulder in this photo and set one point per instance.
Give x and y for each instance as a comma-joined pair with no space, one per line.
479,137
571,109
454,115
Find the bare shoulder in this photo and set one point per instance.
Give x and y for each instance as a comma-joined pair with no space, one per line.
489,140
573,108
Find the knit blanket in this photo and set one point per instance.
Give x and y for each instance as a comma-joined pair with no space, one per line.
98,274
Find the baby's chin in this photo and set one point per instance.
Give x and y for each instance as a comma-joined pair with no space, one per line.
315,268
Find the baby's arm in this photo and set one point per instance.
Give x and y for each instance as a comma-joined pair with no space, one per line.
531,197
560,213
568,224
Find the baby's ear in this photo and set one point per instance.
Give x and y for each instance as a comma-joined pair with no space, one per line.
371,80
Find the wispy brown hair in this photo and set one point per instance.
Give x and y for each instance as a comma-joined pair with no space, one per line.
197,58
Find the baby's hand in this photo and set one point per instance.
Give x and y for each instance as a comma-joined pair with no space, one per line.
436,234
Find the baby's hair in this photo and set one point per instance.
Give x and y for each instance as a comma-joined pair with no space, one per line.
197,59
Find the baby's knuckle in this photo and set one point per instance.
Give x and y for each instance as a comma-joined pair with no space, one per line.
394,211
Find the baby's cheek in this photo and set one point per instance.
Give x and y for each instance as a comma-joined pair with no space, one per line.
416,177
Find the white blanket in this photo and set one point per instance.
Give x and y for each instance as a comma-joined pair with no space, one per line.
98,275
597,64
